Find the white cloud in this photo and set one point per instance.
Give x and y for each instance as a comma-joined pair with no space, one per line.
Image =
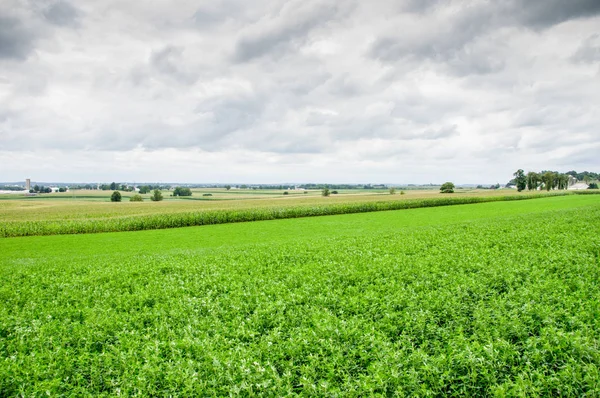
297,91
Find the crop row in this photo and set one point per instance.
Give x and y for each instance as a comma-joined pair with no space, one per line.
211,217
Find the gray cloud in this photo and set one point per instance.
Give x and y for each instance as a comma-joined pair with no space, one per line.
62,13
289,27
16,39
169,61
589,51
460,40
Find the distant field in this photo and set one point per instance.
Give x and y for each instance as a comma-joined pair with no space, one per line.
96,204
50,217
490,299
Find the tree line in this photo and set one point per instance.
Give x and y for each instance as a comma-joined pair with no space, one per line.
549,180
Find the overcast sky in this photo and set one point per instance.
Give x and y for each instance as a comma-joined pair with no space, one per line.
391,91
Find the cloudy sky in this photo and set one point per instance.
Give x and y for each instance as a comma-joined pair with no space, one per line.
392,91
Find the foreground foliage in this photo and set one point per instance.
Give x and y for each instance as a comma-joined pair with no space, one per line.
233,215
510,306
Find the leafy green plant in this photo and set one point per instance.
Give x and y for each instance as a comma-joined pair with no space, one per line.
352,305
136,198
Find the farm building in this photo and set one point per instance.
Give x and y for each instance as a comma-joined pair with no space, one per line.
578,186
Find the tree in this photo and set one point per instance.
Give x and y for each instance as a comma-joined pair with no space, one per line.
563,181
533,180
228,187
325,192
520,180
181,191
156,196
392,191
447,187
549,179
115,197
113,186
136,198
593,185
61,189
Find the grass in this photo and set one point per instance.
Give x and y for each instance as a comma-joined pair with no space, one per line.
47,223
488,299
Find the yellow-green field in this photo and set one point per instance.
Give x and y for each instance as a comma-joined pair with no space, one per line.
83,204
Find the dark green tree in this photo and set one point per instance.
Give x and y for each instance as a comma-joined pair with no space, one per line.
520,180
115,197
113,186
533,180
182,191
325,192
156,196
447,187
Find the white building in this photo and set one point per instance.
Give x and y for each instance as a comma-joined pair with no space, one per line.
578,186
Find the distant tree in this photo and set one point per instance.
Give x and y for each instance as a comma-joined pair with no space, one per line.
447,187
334,192
549,179
392,191
520,180
136,198
563,181
115,197
325,192
533,180
286,193
144,189
156,196
113,186
228,187
61,189
593,185
182,191
36,188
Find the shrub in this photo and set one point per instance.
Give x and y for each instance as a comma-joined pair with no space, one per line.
156,196
325,192
392,191
447,187
334,192
207,194
115,197
402,192
593,185
136,198
286,193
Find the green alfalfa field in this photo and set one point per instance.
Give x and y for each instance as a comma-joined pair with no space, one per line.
488,299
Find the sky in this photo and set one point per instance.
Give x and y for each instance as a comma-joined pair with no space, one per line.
382,91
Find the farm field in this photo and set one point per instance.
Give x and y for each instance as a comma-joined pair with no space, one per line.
497,298
96,204
49,217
